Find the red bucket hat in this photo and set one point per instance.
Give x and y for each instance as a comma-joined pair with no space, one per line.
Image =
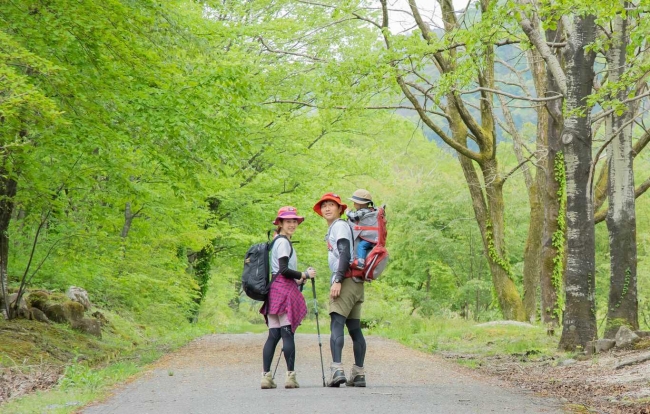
329,197
287,212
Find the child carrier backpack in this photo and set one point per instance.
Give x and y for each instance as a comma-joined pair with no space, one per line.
377,258
257,270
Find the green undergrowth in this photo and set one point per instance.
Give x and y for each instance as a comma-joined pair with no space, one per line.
436,334
458,336
89,365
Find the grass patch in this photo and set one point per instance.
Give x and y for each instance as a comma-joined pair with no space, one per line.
90,366
79,386
466,337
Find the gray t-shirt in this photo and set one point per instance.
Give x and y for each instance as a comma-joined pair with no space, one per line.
282,248
340,229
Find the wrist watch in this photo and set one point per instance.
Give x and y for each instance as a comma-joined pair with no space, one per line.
337,280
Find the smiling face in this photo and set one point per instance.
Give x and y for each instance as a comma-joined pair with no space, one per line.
330,211
288,227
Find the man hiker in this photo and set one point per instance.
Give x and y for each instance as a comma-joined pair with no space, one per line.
346,293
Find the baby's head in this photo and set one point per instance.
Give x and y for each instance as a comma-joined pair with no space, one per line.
361,199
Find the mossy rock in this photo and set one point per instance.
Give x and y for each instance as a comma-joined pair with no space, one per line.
22,310
644,343
67,311
58,297
38,299
55,312
87,325
74,310
101,318
36,314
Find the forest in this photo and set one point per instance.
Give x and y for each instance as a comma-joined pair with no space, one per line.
145,145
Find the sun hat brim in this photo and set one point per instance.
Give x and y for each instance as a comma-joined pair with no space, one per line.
288,216
360,200
328,197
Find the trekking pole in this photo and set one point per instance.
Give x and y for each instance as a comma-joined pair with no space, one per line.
320,345
276,365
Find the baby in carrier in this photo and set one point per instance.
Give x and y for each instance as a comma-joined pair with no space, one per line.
364,225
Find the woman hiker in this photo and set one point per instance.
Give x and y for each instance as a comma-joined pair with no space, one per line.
285,307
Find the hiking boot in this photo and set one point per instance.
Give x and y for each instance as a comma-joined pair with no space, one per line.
291,382
337,376
267,381
357,377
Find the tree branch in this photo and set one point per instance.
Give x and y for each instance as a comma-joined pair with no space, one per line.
461,149
283,52
345,108
521,164
611,111
534,35
641,143
509,95
517,142
365,19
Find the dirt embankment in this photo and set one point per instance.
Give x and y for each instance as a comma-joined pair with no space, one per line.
592,384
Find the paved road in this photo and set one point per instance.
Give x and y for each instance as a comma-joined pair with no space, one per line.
221,373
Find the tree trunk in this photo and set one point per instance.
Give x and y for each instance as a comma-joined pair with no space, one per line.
532,253
552,261
579,324
494,241
8,188
622,306
129,215
128,219
533,246
489,217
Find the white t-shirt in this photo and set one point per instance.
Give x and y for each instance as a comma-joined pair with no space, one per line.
282,248
340,229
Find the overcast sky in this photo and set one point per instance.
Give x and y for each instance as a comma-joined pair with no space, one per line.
400,21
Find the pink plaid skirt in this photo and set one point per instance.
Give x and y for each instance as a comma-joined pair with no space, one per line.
285,297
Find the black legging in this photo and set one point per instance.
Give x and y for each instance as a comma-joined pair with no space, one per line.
288,347
337,338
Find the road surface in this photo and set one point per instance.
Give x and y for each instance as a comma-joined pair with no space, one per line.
221,374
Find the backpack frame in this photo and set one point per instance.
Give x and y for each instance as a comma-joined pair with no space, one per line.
377,258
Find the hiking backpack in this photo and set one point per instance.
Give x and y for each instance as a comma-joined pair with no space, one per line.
257,270
377,258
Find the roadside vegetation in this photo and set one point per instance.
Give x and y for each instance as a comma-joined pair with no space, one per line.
144,146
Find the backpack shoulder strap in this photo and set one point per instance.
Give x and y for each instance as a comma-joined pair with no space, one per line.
346,223
351,236
283,237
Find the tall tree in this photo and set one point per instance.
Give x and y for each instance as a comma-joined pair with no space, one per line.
622,306
579,321
553,238
575,82
126,107
464,126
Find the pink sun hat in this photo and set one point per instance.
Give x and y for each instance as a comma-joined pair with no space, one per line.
287,212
